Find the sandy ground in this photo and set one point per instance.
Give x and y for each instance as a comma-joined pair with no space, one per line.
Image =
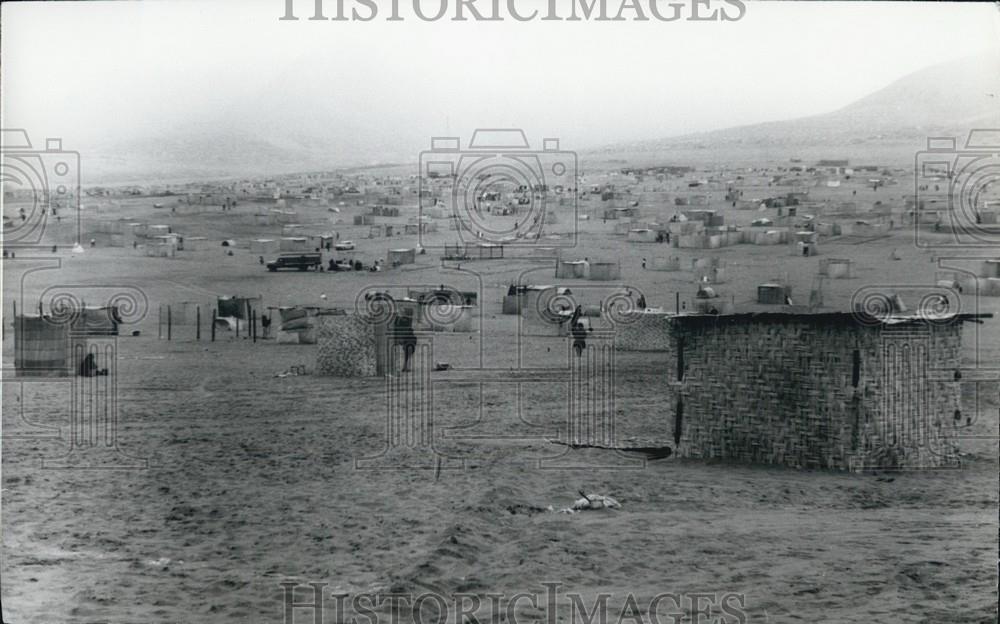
252,479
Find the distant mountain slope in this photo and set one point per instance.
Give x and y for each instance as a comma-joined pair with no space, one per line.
947,99
215,154
888,126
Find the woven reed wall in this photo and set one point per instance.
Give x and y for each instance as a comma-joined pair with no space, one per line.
782,393
639,331
347,346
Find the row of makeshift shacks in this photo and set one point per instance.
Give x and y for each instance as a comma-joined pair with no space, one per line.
156,240
431,309
295,237
595,270
984,281
693,235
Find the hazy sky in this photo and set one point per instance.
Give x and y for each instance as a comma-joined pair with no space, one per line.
88,71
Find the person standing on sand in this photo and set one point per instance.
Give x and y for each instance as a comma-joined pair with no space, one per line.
578,331
407,339
579,338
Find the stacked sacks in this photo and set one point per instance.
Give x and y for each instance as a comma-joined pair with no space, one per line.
296,326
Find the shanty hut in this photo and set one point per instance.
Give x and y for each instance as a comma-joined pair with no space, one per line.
624,227
484,251
990,268
828,390
281,217
685,227
398,257
774,294
240,307
708,217
293,243
264,246
545,310
434,212
514,299
828,229
572,269
41,347
194,243
443,316
806,244
161,247
770,237
604,271
836,268
643,235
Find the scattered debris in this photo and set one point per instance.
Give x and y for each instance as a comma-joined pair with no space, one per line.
591,502
294,371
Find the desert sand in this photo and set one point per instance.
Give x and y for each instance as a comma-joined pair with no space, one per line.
252,480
